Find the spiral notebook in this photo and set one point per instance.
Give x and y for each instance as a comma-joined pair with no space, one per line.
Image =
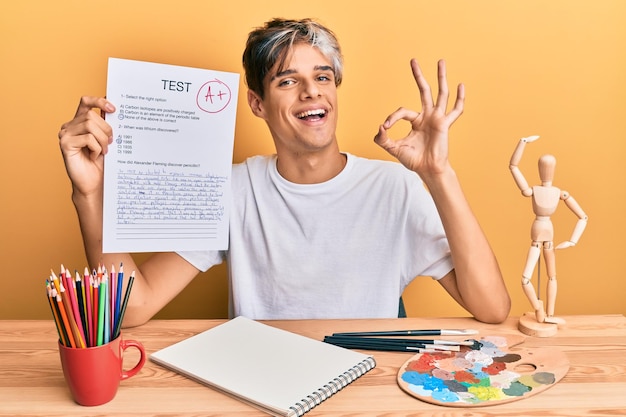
279,372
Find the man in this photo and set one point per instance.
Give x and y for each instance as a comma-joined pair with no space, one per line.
314,232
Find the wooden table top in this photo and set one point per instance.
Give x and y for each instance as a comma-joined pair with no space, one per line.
32,384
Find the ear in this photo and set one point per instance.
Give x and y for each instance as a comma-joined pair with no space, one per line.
256,104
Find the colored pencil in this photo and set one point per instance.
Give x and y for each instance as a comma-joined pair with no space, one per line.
101,307
66,322
118,297
67,305
94,305
106,324
64,329
88,289
88,310
55,314
55,280
118,327
73,296
81,308
96,309
111,304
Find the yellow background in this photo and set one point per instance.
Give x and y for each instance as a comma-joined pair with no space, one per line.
552,68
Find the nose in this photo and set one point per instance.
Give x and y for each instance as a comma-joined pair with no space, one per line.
310,89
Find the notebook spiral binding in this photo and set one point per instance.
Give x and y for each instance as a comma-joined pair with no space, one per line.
334,386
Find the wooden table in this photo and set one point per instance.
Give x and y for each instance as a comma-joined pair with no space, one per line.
32,384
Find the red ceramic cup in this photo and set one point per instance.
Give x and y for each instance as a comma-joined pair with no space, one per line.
94,373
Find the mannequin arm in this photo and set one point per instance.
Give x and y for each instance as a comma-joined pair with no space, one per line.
521,182
573,205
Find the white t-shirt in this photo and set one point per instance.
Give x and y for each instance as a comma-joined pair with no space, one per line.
345,248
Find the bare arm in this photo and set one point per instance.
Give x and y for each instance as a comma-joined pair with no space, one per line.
84,141
476,282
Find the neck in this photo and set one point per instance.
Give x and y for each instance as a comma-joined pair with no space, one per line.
311,168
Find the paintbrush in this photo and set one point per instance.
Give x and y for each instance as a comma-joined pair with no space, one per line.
400,344
438,342
427,332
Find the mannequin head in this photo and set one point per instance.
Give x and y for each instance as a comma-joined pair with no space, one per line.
547,164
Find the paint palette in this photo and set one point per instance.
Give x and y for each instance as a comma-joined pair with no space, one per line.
488,373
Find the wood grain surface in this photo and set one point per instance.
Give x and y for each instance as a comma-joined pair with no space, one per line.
32,384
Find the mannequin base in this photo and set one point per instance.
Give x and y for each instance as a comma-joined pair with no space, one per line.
529,325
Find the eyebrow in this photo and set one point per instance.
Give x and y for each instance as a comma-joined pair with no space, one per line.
290,71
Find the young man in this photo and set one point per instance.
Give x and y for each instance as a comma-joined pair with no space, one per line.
314,232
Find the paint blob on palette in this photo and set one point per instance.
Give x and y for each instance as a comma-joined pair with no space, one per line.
495,370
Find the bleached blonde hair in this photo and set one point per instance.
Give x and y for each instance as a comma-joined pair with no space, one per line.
270,45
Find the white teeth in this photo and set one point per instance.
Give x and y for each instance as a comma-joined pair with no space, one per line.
318,112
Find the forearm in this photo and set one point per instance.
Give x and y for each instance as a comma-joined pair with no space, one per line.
157,280
479,282
89,211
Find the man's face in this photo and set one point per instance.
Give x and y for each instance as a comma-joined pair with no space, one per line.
300,104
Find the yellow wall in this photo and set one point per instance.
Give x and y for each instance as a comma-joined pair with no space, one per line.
553,68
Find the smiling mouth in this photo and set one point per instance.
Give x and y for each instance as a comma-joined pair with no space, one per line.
312,114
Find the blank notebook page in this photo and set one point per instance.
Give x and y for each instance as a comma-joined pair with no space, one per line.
271,367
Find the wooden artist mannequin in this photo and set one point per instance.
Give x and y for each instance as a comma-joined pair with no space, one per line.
545,200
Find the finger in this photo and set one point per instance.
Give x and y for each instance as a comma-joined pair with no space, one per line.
83,142
87,103
442,96
89,124
383,140
425,93
400,114
381,136
459,104
96,147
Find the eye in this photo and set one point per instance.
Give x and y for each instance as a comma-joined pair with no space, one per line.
286,82
325,77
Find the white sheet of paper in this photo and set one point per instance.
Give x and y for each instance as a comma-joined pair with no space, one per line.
167,172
